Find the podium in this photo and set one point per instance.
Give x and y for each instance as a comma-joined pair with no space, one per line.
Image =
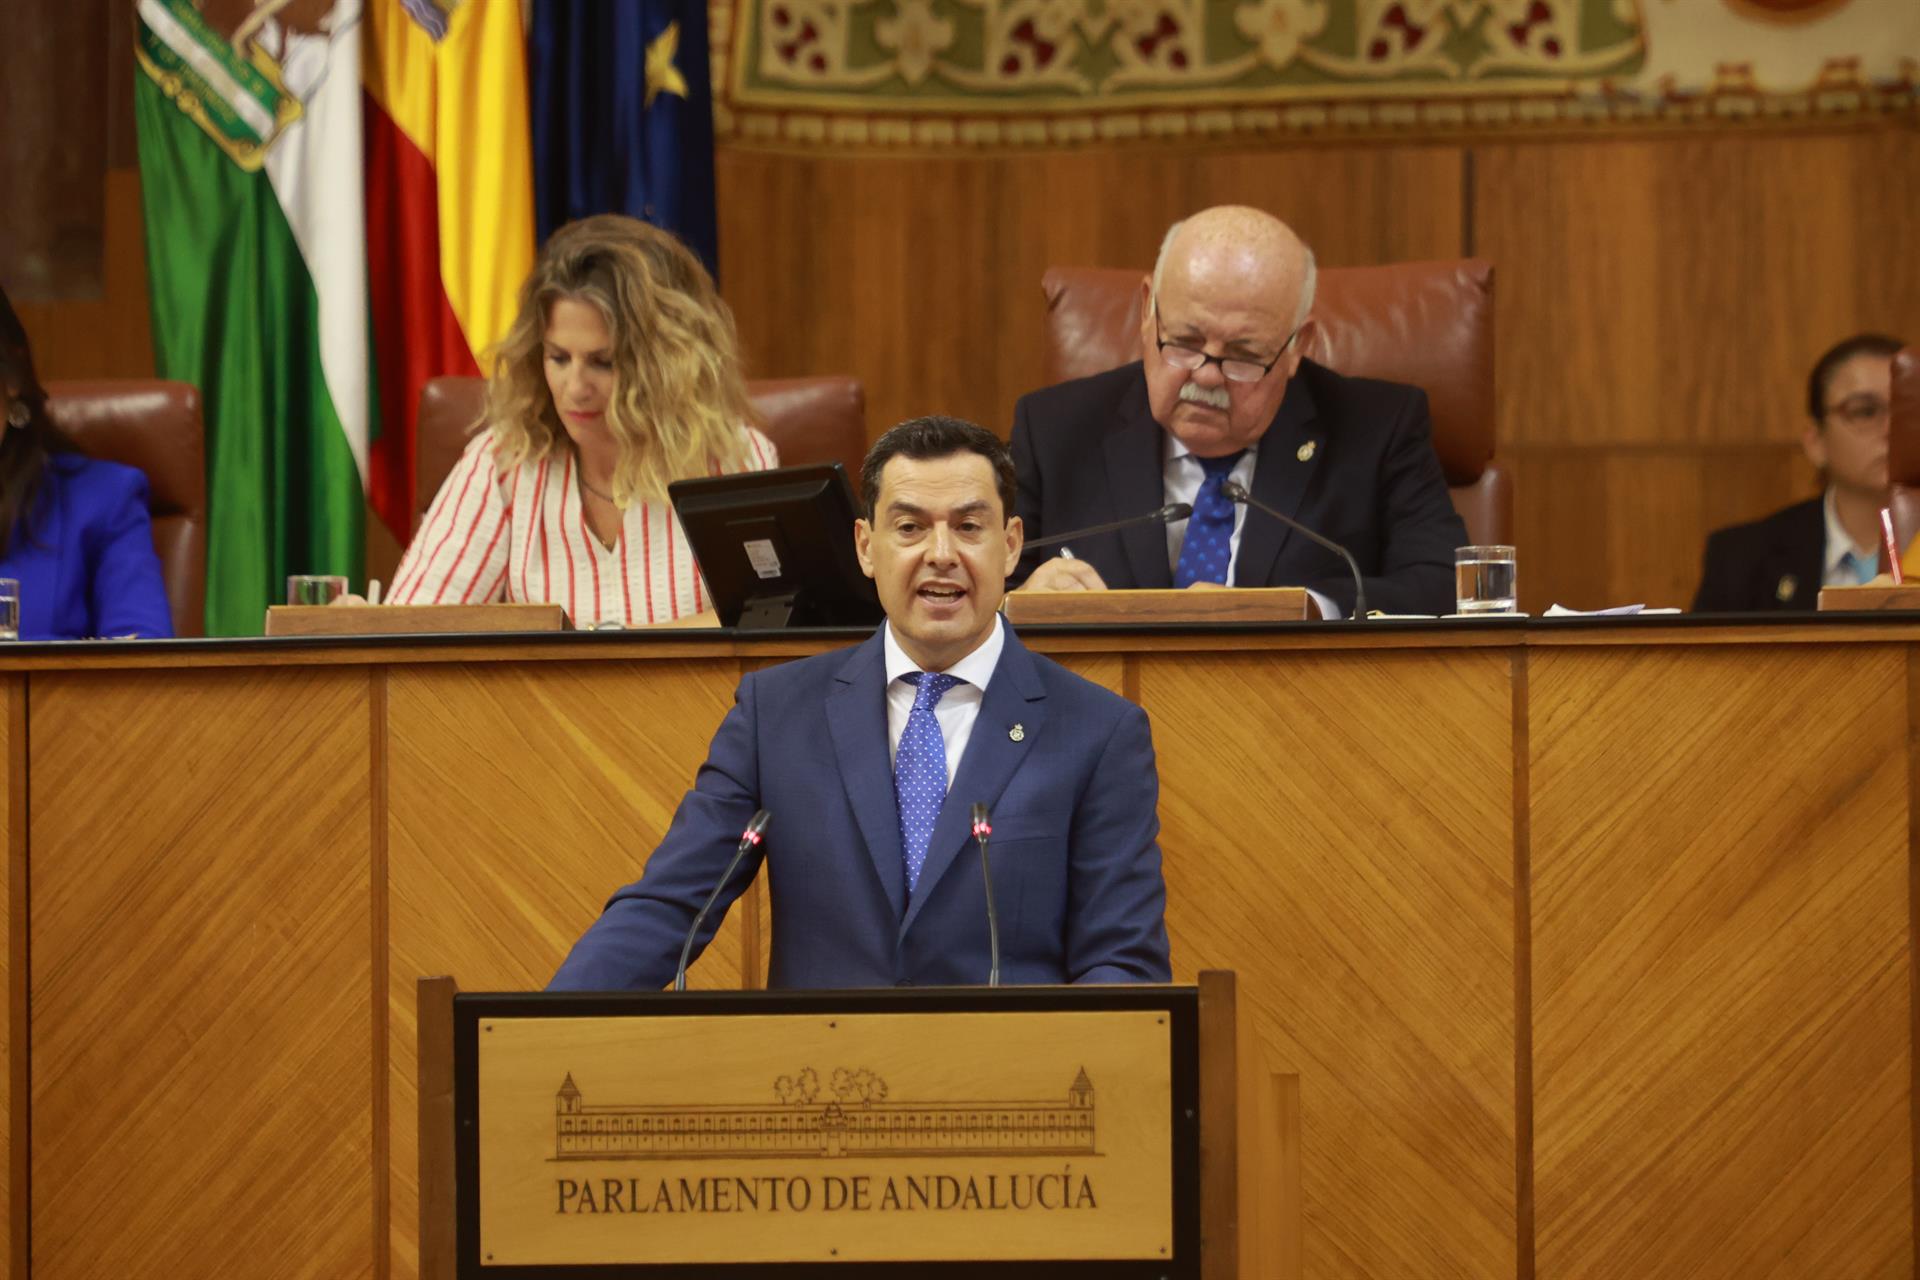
1012,1132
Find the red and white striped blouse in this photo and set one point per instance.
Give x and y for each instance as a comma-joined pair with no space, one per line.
522,536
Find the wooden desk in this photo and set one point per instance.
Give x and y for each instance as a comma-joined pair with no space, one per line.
1573,950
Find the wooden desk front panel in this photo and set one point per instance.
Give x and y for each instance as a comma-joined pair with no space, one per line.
237,871
14,1165
520,798
201,987
1721,1006
1339,829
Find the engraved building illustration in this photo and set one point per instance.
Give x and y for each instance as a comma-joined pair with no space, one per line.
858,1121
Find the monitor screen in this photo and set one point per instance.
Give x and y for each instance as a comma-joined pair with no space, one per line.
776,547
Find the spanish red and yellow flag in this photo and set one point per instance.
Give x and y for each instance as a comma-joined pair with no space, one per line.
449,192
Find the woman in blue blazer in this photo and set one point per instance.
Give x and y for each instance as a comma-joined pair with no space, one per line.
73,530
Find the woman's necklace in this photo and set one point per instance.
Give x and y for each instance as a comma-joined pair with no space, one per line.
608,543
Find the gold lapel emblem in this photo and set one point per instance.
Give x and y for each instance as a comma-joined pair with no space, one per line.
1305,452
1018,733
1788,585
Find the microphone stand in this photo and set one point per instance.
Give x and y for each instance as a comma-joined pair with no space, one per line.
1237,492
748,838
982,831
1165,515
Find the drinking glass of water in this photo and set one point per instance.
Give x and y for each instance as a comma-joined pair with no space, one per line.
1485,580
9,608
315,588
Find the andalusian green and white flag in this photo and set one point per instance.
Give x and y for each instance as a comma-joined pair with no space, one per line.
252,181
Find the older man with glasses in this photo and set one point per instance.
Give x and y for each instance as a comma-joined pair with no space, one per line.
1781,562
1224,396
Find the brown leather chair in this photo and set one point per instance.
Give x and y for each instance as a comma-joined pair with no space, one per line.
1903,446
808,420
1429,324
156,427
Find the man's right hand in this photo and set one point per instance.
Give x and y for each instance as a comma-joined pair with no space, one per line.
1063,573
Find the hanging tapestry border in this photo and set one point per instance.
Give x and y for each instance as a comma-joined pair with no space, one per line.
962,74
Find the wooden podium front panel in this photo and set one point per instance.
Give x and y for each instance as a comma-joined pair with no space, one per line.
828,1138
520,799
1339,830
1720,963
201,981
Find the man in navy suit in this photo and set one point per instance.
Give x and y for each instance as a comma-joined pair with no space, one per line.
1223,393
874,880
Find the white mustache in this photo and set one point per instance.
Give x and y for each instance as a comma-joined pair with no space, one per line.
1211,397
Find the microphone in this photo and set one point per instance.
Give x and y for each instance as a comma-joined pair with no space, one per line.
982,829
1166,515
748,838
1237,492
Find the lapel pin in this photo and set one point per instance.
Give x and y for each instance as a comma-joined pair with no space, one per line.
1784,592
1305,452
1018,733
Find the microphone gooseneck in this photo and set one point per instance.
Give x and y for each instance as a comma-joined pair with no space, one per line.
1237,492
756,827
1165,515
982,831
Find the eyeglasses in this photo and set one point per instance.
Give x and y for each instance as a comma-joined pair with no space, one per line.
1860,411
1233,368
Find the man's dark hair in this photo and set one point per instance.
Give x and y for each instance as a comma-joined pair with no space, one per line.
1860,344
937,437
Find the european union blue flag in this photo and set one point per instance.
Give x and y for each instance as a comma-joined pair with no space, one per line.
622,105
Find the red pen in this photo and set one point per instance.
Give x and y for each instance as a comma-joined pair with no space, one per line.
1892,544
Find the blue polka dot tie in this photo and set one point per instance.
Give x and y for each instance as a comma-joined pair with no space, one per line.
1208,548
920,769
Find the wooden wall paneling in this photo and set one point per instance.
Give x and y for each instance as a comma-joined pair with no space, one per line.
55,147
921,275
1883,206
519,800
1670,293
1677,289
200,979
1603,525
109,334
1344,841
1721,1037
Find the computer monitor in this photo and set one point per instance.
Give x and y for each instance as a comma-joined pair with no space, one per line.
776,547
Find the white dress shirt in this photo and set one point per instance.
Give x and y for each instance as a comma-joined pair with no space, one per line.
1839,542
957,711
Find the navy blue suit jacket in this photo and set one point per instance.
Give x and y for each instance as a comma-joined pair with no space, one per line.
1771,564
1076,863
1089,452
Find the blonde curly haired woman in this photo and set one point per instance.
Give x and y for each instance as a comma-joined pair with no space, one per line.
620,374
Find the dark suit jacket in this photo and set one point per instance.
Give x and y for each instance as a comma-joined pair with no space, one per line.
1089,451
1770,564
1076,866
